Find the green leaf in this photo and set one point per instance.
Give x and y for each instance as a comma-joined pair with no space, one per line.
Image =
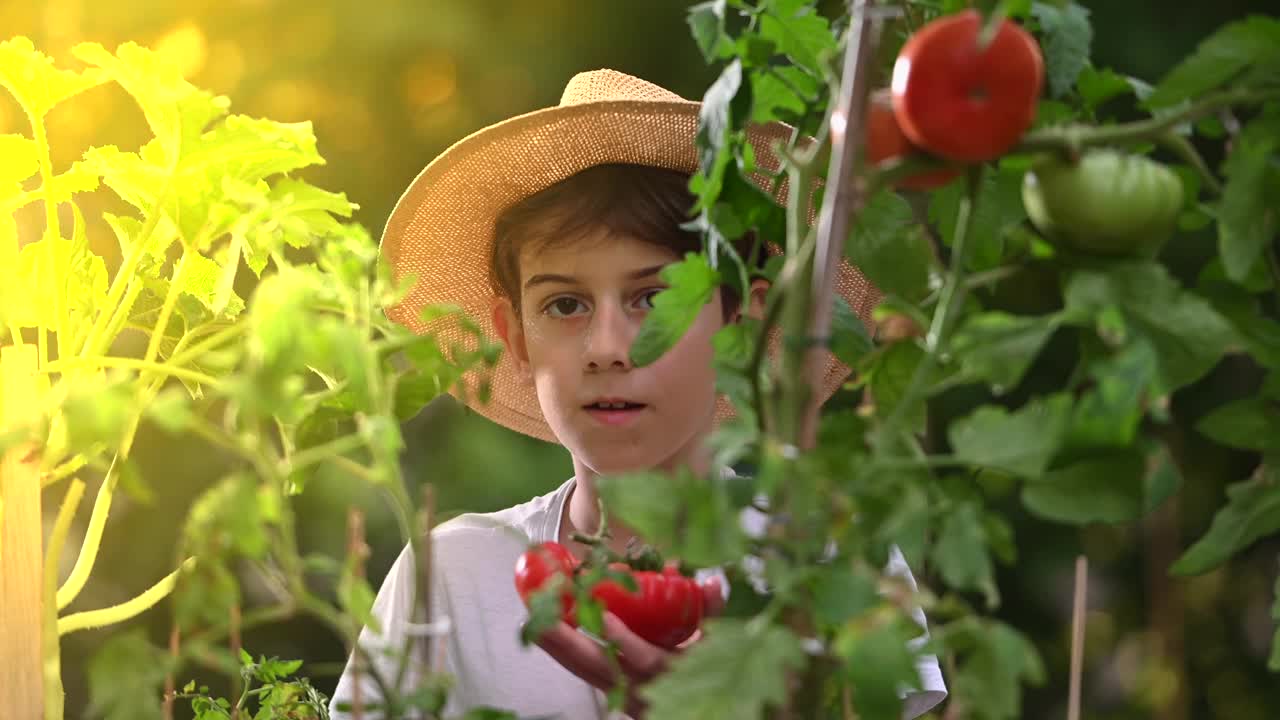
880,664
31,77
1251,423
32,285
1220,58
690,284
998,347
734,673
998,211
1108,414
1107,489
890,377
706,21
1068,36
1246,217
19,160
175,110
1021,442
891,248
1097,86
126,677
781,93
840,594
99,410
799,32
996,659
961,554
1252,512
1187,333
691,518
850,341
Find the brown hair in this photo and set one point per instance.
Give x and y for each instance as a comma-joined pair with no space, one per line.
641,201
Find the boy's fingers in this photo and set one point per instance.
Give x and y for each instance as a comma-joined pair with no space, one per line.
578,654
712,596
640,659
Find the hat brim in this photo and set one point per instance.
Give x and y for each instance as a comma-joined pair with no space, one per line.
441,229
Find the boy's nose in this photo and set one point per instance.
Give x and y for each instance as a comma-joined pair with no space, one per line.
608,341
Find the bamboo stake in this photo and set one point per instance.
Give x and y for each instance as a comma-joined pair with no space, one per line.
1077,637
21,551
844,198
21,542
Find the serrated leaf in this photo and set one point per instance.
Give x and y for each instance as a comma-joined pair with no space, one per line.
961,554
1252,512
43,270
1108,414
706,22
1021,442
850,341
734,673
890,247
1098,85
840,593
998,210
688,517
1251,423
998,347
799,32
774,94
126,677
31,77
1247,219
890,377
997,659
1067,43
690,284
880,664
19,160
1219,58
175,110
1107,488
1186,332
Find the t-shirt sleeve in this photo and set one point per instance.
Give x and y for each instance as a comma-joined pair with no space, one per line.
393,613
932,690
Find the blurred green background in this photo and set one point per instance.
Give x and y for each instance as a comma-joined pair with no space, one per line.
391,83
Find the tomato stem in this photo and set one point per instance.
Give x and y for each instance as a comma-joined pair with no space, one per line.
1072,139
1183,148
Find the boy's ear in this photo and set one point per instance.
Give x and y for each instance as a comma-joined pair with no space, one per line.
754,305
507,324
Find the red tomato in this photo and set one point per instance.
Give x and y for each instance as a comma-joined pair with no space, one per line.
963,102
886,141
665,611
538,564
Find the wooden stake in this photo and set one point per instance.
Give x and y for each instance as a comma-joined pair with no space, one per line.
21,546
1077,637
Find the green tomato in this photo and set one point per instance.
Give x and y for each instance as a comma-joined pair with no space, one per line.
1108,203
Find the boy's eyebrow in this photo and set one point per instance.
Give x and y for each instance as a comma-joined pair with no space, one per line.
544,278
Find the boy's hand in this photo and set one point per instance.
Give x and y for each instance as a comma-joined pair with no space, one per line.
639,659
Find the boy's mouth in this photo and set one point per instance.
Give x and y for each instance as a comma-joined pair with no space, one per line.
613,411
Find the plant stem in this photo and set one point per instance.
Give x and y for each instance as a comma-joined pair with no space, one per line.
949,302
325,451
125,610
133,364
170,299
53,696
88,554
1181,146
52,233
1071,140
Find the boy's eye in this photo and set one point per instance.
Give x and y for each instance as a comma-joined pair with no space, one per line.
646,299
562,307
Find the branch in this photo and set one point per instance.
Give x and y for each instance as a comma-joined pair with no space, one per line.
125,610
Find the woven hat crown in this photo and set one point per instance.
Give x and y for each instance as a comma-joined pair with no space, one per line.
611,85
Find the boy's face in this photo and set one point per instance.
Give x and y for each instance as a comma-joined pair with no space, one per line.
582,304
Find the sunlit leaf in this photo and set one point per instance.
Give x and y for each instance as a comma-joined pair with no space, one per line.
32,78
690,284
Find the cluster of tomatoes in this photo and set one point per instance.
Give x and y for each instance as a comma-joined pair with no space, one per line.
966,94
665,609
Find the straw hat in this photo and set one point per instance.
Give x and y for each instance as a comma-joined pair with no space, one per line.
441,230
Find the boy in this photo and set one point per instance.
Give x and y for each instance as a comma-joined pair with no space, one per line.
552,227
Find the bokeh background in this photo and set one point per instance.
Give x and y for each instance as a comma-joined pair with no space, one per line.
391,83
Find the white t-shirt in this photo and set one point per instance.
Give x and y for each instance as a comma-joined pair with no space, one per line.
478,615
